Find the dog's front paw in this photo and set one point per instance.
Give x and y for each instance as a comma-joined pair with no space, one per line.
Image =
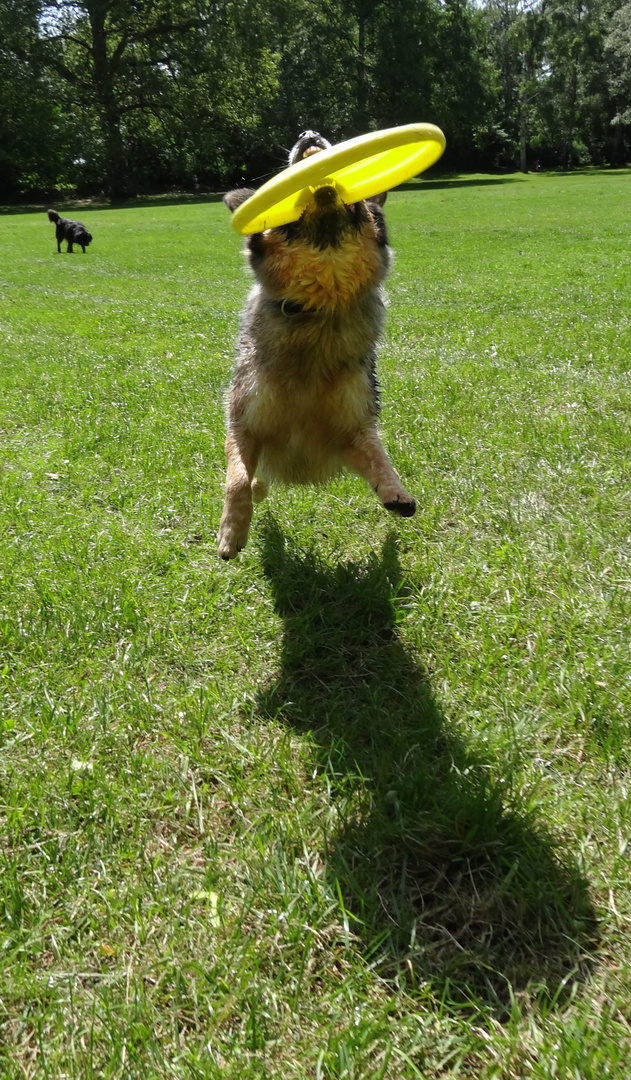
227,551
227,546
404,505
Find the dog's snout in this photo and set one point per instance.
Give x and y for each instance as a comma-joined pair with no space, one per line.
325,196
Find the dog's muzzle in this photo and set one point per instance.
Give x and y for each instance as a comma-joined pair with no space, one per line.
326,219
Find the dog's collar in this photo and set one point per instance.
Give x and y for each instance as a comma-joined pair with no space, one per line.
291,307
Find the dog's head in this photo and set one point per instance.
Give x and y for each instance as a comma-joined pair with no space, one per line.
332,255
52,215
308,143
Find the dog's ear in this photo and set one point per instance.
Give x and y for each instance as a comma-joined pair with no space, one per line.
379,199
233,199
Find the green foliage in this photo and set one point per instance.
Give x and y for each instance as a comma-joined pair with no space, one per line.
516,32
352,67
33,139
573,93
119,97
156,77
194,92
466,86
618,59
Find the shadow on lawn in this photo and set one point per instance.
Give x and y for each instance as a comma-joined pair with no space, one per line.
474,181
86,206
446,881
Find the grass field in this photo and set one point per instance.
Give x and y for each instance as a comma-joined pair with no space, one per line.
355,806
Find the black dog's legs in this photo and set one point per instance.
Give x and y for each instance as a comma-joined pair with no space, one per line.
69,248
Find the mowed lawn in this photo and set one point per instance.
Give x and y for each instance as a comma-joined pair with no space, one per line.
357,805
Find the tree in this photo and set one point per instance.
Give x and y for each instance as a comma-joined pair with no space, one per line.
617,47
350,66
465,92
33,138
125,63
573,101
516,35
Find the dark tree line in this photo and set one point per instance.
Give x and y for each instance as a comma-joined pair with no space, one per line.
564,79
125,96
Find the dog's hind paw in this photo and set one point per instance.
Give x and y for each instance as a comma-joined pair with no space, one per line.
259,489
404,507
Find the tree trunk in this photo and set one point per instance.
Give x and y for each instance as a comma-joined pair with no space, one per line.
571,117
616,152
103,79
361,68
523,137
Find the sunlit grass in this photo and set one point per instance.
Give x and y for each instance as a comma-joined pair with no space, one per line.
356,805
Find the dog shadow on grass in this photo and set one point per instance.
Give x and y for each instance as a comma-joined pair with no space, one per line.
446,883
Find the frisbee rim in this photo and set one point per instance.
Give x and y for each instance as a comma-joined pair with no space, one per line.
303,177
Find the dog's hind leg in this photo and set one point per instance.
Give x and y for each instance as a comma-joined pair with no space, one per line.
367,457
260,489
242,456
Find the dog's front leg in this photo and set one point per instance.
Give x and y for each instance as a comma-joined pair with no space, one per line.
367,457
242,454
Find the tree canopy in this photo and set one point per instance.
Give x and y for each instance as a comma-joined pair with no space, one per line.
123,96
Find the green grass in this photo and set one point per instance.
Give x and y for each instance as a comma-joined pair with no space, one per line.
355,806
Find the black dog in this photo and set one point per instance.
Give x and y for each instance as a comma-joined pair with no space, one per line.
73,232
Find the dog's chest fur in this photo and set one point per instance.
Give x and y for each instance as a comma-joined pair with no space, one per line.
303,384
326,279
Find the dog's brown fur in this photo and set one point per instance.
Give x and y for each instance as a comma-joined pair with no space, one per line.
304,401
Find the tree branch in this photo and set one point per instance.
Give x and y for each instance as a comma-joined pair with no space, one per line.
67,37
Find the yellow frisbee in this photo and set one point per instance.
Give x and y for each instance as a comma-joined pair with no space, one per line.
357,169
